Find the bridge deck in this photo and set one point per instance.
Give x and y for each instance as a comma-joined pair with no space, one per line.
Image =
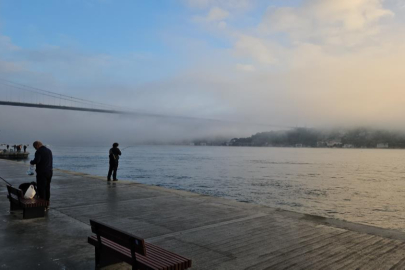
214,232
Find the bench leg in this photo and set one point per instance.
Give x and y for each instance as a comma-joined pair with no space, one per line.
34,212
97,256
105,258
14,207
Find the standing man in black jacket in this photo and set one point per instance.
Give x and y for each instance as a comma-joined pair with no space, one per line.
44,163
114,154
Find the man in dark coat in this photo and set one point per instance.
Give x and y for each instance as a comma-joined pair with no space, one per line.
114,157
44,168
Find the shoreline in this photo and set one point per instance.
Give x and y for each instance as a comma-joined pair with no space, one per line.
338,223
216,233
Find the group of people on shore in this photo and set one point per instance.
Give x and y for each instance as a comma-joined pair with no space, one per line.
44,167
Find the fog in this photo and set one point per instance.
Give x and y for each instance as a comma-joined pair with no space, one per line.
318,63
56,127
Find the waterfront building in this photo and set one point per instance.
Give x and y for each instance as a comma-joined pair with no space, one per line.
382,145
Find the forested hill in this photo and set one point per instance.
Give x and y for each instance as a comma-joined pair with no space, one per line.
305,137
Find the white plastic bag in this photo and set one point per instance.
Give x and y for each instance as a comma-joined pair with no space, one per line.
30,193
31,170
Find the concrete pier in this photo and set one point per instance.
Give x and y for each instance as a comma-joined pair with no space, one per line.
215,233
4,154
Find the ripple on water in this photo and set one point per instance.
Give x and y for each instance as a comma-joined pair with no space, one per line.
316,192
290,204
279,162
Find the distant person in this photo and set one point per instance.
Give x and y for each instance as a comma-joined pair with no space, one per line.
44,168
114,154
19,148
8,146
14,147
25,148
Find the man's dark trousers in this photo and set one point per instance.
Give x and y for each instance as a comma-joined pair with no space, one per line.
44,184
113,170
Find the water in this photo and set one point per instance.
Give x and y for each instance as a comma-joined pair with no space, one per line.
359,185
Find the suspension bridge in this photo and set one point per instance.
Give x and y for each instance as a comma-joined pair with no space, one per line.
21,95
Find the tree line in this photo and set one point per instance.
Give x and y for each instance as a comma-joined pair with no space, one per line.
307,137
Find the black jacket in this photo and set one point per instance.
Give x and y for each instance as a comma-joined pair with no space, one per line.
43,160
114,155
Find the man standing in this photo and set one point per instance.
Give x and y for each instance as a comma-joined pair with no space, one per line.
43,162
114,157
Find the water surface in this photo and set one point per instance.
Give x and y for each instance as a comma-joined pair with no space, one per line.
359,185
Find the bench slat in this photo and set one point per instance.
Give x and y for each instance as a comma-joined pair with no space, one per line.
17,197
34,202
150,260
147,260
156,256
144,262
184,262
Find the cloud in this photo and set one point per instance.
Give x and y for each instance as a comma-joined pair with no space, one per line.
226,4
217,14
243,67
322,62
6,45
340,23
8,68
289,37
260,50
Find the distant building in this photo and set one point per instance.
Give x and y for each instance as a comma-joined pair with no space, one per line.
299,145
203,144
233,141
333,143
320,144
192,144
382,145
348,145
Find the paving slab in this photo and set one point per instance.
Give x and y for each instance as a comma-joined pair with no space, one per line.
215,233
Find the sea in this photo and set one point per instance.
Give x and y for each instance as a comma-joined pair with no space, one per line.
364,186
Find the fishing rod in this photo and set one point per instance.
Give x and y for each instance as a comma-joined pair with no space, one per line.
128,147
5,181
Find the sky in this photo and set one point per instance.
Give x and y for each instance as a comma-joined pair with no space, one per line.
291,63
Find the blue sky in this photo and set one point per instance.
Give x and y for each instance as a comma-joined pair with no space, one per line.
115,28
97,26
107,26
285,62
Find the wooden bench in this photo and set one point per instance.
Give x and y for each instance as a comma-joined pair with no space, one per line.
32,208
114,246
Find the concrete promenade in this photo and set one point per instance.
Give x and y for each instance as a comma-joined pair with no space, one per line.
215,233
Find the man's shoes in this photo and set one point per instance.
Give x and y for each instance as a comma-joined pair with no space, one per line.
115,180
